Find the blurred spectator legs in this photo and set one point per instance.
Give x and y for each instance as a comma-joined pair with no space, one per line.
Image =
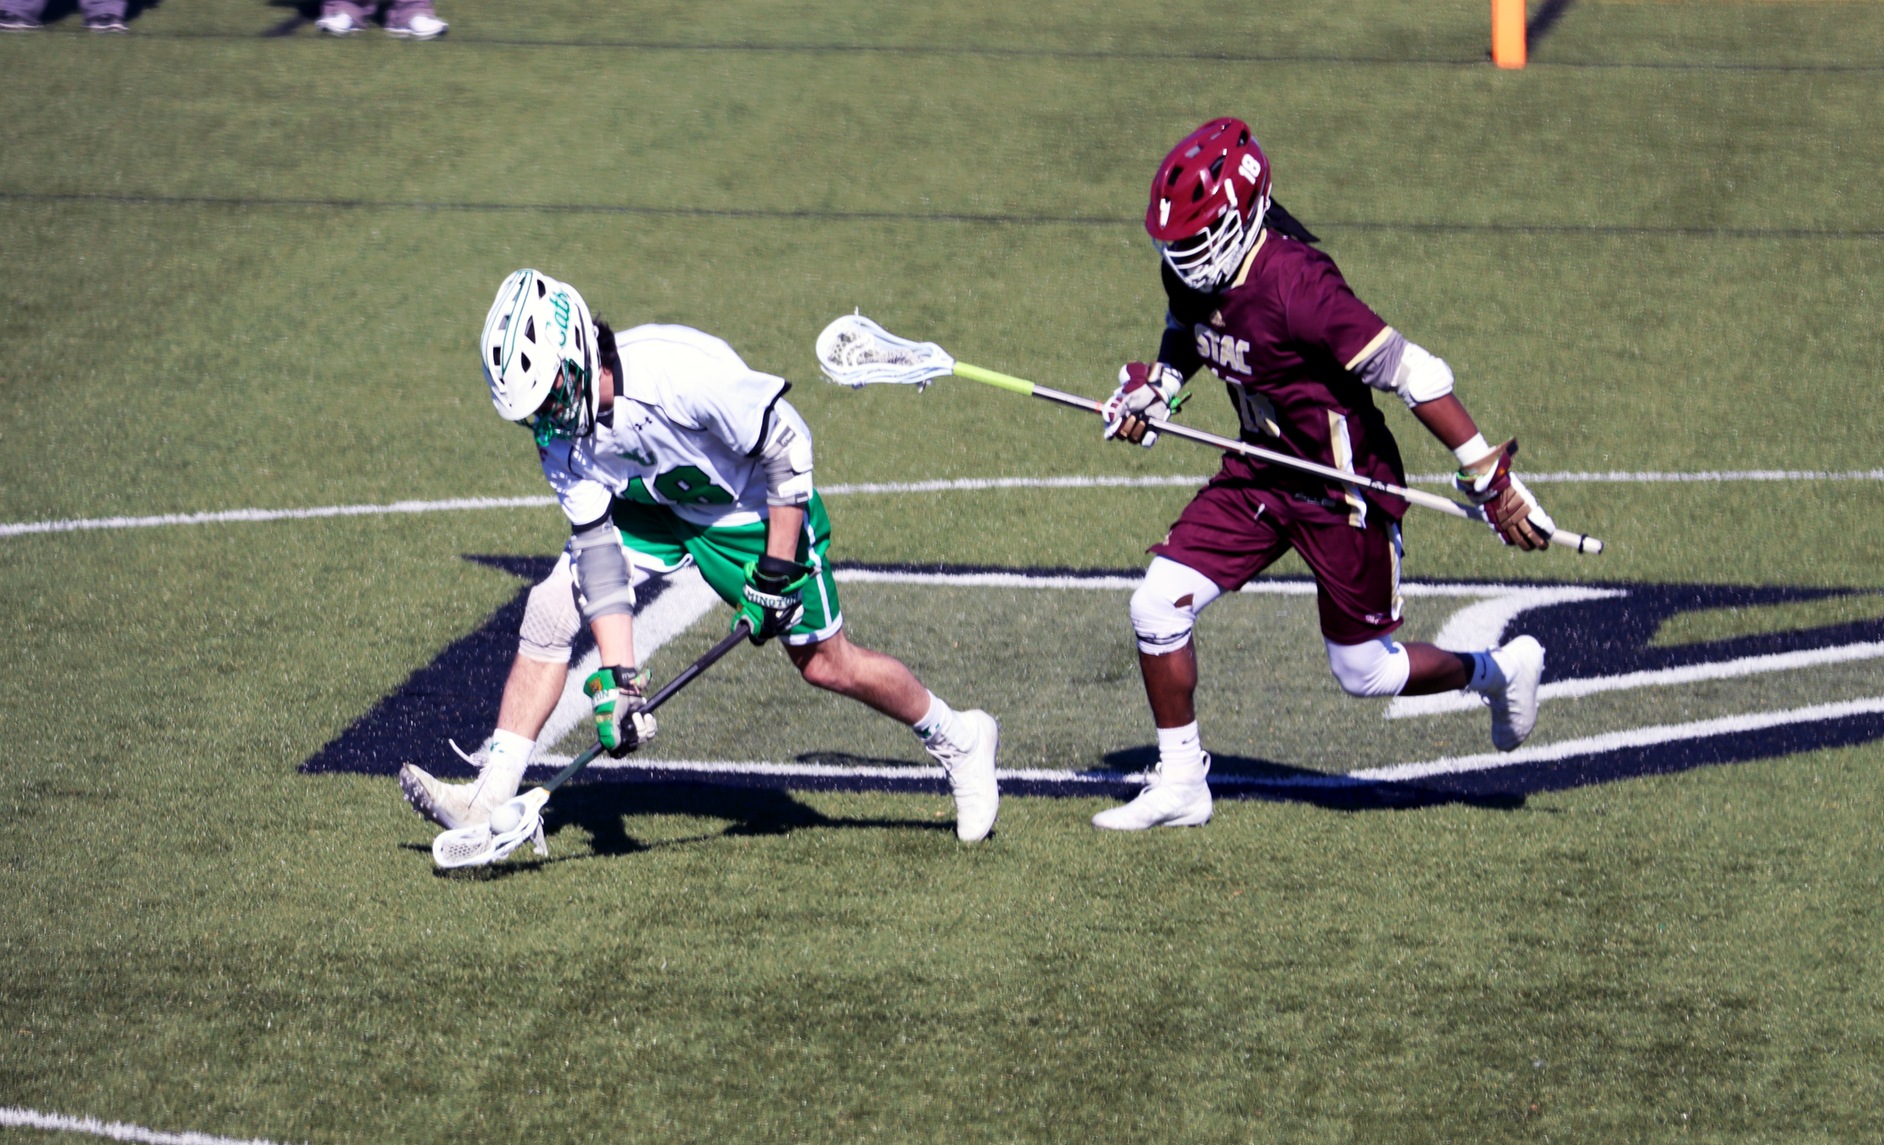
408,19
414,19
342,17
25,15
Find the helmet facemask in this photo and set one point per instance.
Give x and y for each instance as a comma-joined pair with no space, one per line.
569,410
1209,259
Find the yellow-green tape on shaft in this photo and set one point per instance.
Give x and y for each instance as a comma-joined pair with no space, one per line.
994,378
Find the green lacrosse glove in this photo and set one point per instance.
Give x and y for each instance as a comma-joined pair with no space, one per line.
771,601
617,695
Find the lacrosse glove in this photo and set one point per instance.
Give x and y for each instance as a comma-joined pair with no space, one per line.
1510,509
771,601
617,695
1141,387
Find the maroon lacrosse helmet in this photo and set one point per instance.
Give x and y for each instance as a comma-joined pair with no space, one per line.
1207,202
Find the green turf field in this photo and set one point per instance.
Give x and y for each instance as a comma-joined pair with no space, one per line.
246,271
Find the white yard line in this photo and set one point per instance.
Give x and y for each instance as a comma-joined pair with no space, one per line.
116,1130
1617,741
982,484
1479,625
688,598
1406,706
238,516
1530,597
953,485
1073,781
989,580
1624,477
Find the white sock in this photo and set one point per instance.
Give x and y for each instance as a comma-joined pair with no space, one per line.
1487,676
1181,754
507,754
509,746
939,726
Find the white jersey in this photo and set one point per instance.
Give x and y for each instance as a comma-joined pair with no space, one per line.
685,431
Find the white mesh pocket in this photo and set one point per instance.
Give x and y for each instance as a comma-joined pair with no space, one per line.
854,351
464,847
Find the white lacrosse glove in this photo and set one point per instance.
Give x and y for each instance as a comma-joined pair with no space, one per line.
1141,387
1510,509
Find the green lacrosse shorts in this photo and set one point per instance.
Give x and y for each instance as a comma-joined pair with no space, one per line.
660,541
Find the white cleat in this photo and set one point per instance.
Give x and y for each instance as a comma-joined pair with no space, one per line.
455,805
1161,804
421,26
446,804
971,778
1514,706
338,24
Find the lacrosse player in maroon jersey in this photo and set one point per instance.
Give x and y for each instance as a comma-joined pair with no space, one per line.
1301,356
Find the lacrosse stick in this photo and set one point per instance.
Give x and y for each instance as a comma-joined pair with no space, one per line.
521,818
856,352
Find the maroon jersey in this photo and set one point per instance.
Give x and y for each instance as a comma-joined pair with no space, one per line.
1285,338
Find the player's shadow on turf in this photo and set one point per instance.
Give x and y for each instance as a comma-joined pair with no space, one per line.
602,809
300,14
1244,777
850,759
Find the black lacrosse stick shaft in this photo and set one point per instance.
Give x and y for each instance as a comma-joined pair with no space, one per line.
731,641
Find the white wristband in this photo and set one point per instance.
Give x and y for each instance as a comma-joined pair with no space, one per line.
1473,450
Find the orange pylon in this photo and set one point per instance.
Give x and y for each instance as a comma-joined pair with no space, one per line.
1508,33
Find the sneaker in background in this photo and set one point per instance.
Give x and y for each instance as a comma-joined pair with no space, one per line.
339,23
418,26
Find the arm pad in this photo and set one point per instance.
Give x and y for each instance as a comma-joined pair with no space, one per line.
785,455
603,581
1407,369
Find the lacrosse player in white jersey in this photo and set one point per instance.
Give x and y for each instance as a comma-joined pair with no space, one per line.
667,450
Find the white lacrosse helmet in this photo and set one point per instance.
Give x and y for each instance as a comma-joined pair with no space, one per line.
539,356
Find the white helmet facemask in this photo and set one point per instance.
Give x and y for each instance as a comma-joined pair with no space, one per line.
1208,260
538,352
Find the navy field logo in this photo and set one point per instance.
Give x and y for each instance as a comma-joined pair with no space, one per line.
1640,648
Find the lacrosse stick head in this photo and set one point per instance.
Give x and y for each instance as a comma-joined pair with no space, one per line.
856,352
481,846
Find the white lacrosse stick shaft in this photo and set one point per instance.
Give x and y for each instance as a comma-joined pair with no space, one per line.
854,351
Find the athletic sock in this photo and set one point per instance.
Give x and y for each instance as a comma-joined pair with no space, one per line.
506,754
939,726
1181,754
509,746
1487,676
